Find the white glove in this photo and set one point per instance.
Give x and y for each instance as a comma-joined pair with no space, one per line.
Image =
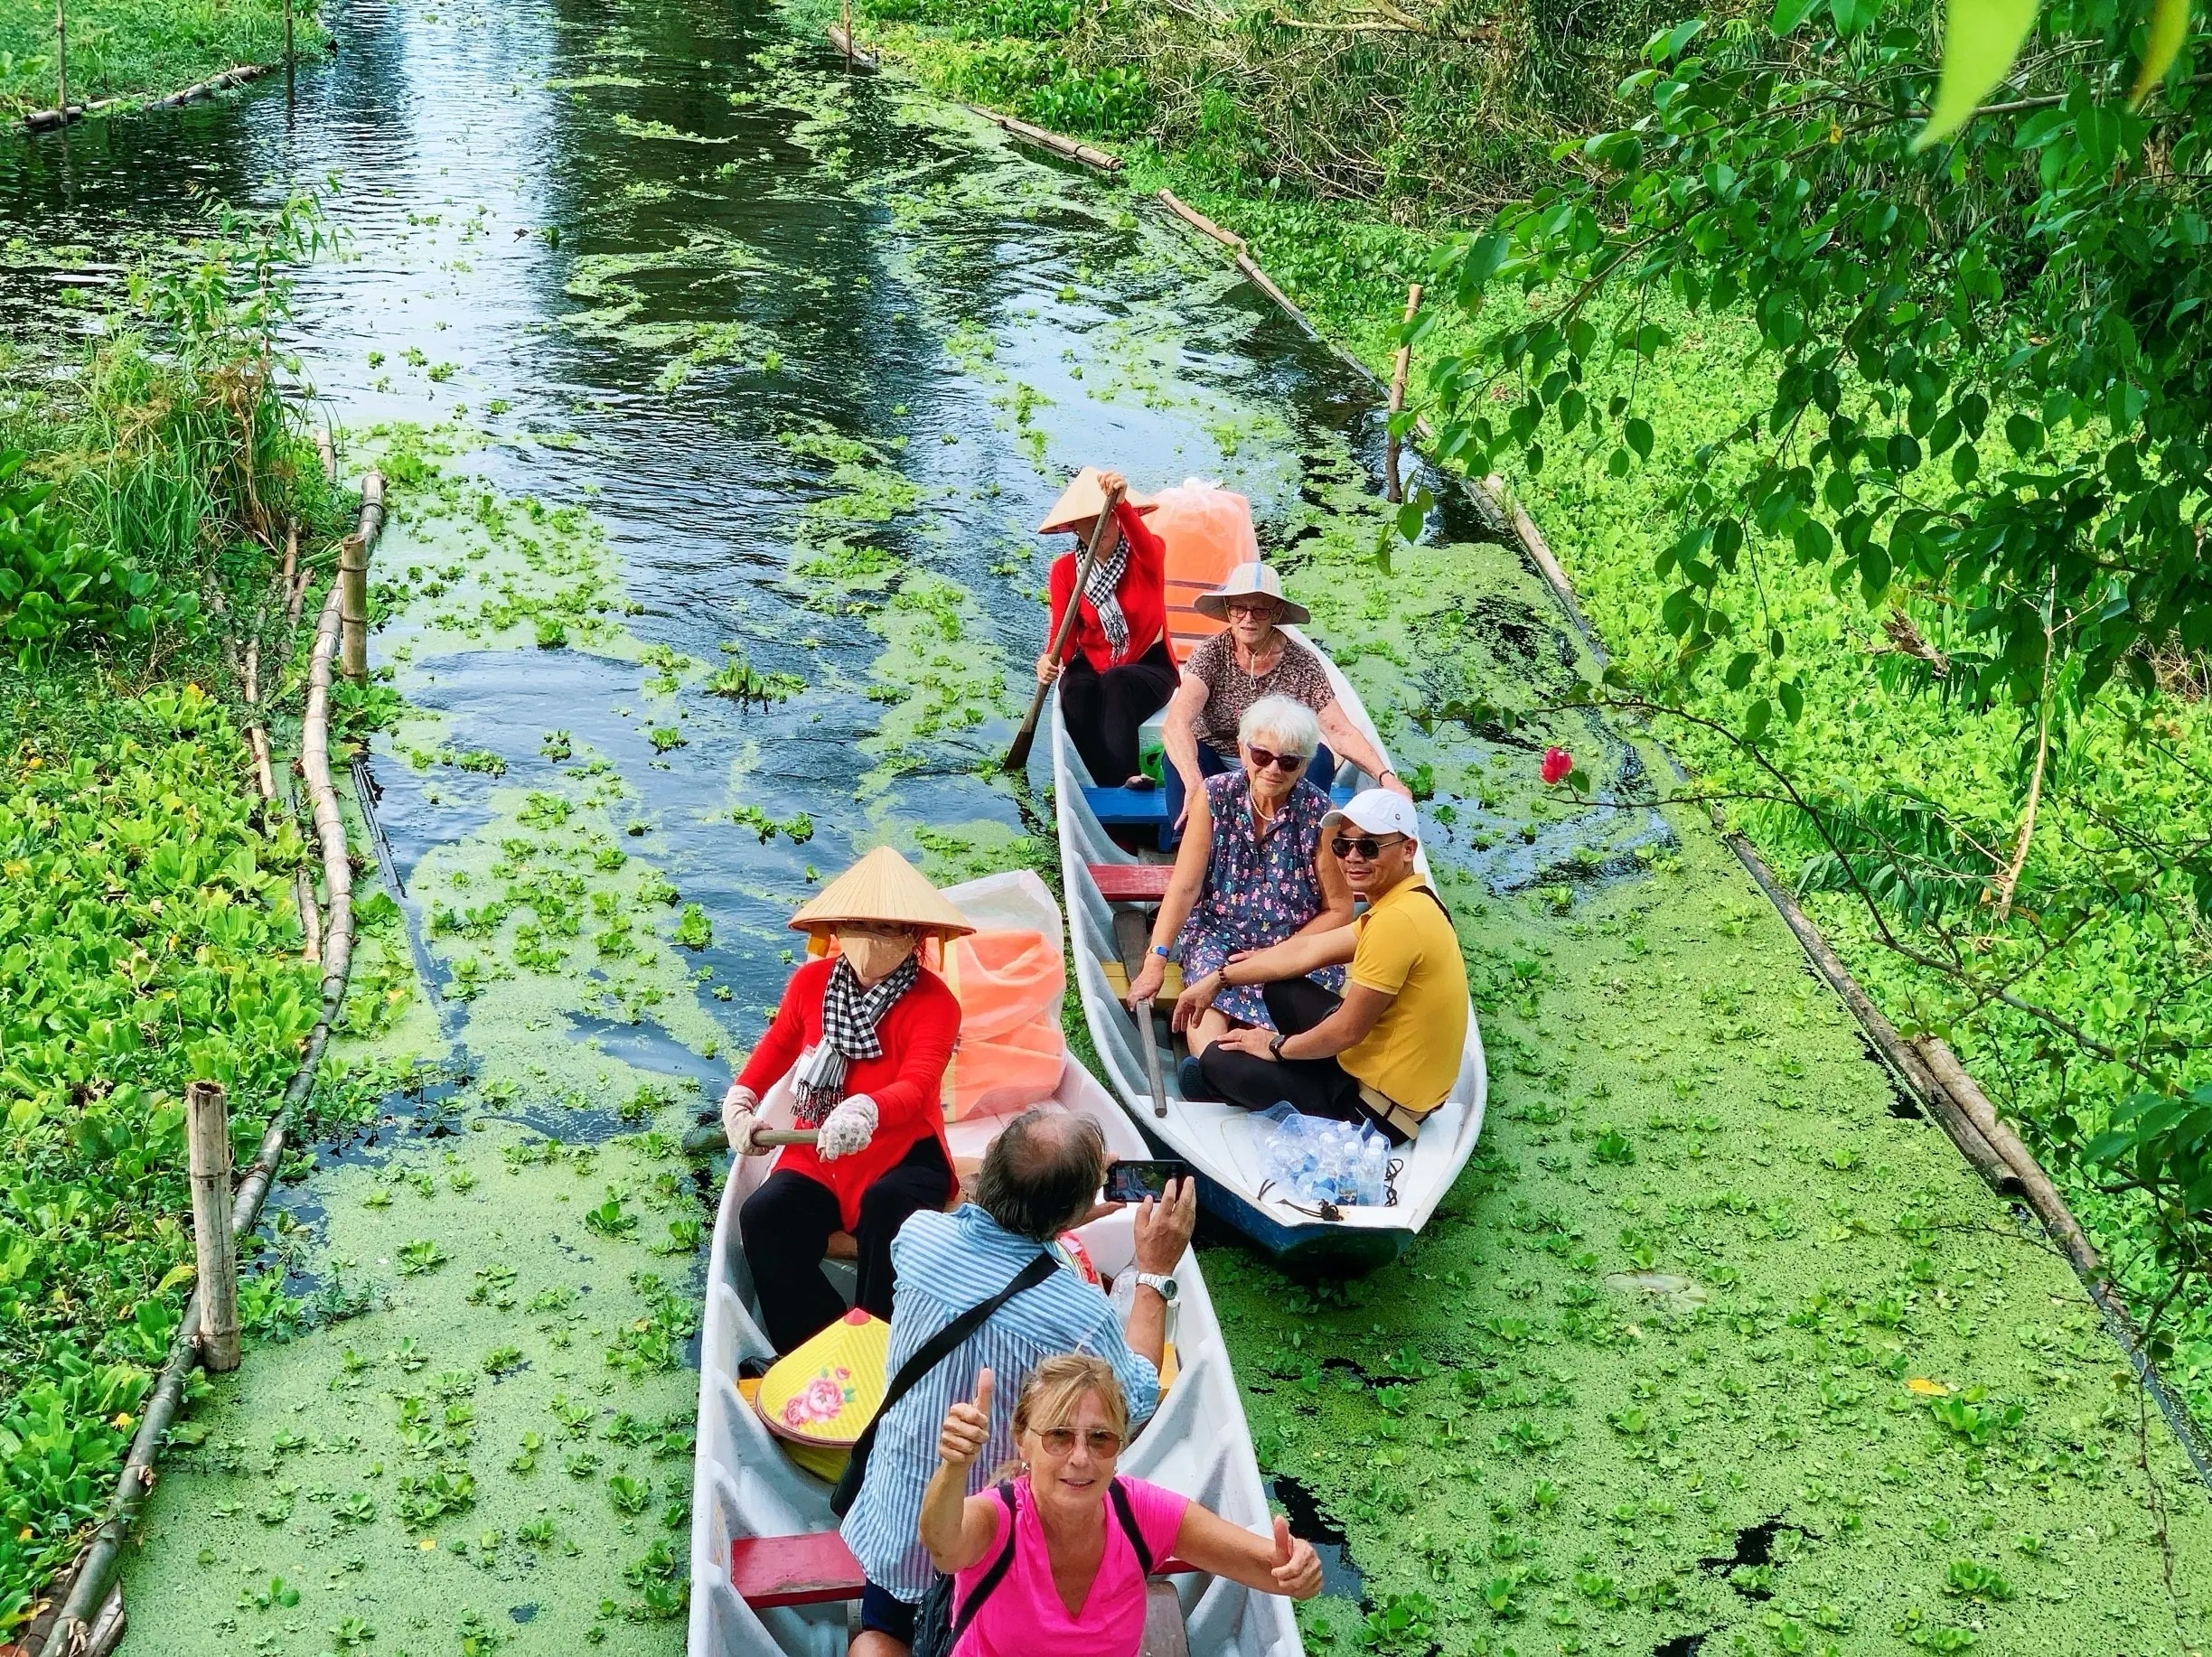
847,1130
737,1121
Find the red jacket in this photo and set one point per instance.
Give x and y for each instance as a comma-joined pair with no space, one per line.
907,1083
1143,594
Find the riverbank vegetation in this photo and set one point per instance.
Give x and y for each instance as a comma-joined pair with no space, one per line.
133,48
148,935
1886,644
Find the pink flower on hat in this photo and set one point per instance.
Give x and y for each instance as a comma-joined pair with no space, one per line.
1557,763
824,1399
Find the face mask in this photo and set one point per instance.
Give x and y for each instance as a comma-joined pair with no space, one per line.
874,955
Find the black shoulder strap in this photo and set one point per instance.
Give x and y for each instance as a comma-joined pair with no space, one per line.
1433,898
1127,1515
927,1357
992,1577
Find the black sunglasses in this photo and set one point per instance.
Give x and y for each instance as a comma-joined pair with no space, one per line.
1366,845
1262,758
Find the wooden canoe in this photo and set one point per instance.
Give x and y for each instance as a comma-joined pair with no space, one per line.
1108,923
749,1492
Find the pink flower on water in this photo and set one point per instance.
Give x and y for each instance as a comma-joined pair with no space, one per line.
1557,763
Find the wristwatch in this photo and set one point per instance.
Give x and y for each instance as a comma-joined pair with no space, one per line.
1163,1287
1160,950
1275,1046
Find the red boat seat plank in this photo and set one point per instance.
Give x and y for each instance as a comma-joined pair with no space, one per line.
1132,882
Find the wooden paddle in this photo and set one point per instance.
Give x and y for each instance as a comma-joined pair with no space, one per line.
1151,1056
707,1138
1018,756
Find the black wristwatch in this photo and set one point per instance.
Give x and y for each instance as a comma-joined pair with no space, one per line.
1275,1046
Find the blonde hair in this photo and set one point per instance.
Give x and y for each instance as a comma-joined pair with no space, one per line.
1055,1391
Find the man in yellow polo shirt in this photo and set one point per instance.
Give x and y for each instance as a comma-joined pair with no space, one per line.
1388,1051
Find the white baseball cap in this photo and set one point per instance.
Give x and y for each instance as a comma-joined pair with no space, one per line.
1376,810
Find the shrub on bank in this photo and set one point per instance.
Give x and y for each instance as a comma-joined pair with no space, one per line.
126,48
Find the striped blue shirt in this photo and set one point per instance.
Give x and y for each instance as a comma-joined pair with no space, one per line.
947,1263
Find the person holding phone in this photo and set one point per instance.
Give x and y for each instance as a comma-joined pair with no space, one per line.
1387,1050
1056,1558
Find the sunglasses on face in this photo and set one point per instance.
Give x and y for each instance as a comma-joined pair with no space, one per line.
1103,1441
1368,848
1251,612
1262,758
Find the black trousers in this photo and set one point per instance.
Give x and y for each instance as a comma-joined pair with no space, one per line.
1312,1087
787,1224
1102,710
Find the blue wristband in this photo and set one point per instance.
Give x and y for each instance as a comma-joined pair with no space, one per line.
1160,950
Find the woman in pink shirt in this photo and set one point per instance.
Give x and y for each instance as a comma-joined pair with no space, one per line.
1071,1580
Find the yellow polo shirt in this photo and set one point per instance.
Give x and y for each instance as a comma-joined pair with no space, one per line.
1407,949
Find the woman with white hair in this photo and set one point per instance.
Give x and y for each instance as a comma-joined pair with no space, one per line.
1252,871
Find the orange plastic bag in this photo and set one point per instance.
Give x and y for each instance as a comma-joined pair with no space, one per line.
1209,532
1010,985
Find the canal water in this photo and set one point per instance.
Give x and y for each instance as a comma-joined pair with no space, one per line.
719,393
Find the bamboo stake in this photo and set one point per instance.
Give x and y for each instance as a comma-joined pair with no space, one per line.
315,768
848,38
208,1124
353,581
1395,488
1018,755
1198,221
61,58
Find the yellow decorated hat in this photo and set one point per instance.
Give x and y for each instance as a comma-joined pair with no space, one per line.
821,1395
885,888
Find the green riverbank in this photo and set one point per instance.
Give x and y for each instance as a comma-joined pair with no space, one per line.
147,931
142,48
1885,758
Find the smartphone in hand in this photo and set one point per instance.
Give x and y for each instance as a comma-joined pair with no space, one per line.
1133,1182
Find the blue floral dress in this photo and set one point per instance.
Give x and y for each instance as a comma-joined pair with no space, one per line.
1258,889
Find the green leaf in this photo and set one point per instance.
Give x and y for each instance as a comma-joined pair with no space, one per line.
1639,435
2023,433
1757,719
1981,40
1814,542
1792,699
1739,672
1852,17
2162,44
1789,14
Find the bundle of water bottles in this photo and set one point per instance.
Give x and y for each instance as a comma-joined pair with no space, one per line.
1321,1160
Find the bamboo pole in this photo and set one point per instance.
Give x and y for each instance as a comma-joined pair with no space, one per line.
848,38
353,582
61,58
1394,486
208,1122
81,1613
1198,221
322,797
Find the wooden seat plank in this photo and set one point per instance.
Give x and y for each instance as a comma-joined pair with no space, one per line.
1132,882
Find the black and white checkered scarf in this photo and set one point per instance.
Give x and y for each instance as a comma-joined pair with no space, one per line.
850,1016
1105,591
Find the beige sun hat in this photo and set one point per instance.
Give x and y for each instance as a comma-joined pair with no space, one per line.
885,888
1082,500
1250,581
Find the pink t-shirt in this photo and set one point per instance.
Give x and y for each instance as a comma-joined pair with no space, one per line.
1025,1614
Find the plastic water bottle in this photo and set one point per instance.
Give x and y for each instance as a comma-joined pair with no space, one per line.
1373,1170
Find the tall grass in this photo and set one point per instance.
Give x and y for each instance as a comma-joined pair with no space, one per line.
118,47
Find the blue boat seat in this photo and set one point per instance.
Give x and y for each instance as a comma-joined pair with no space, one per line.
1147,808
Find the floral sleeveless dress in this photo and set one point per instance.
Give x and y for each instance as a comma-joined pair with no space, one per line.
1258,889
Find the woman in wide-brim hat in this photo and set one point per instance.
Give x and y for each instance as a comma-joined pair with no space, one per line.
864,1034
1117,671
1249,658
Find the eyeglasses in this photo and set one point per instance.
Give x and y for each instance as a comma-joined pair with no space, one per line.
1261,610
1366,845
1103,1441
1262,758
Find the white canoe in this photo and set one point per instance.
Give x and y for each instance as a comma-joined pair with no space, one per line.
1226,1145
745,1487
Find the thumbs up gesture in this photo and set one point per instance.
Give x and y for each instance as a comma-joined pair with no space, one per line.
967,1429
1298,1568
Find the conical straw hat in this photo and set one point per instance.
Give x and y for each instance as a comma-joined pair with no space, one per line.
824,1391
1083,500
886,888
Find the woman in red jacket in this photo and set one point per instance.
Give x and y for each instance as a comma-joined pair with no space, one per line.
865,1036
1117,671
